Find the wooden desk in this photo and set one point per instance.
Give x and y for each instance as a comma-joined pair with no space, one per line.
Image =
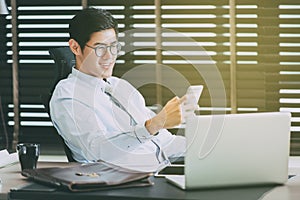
11,178
160,190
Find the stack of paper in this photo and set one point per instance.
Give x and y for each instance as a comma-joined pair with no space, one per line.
7,158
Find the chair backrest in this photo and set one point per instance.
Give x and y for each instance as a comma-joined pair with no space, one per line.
64,61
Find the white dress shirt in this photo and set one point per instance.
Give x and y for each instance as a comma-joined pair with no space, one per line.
95,127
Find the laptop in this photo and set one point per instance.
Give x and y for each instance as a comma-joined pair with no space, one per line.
235,150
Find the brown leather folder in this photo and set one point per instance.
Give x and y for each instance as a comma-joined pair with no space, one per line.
89,177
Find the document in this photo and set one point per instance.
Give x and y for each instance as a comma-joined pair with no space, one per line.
7,158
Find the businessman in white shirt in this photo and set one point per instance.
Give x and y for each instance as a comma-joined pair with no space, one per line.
102,117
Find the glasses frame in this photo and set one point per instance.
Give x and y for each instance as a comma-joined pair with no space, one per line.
118,45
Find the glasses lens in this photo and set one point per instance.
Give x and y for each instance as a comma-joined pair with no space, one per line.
115,48
100,50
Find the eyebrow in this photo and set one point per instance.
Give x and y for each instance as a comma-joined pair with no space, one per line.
100,43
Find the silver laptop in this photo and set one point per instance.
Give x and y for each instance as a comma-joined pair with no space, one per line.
235,150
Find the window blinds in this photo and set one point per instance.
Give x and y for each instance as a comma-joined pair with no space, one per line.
194,50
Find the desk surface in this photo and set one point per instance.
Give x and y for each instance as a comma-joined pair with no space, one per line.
11,178
160,190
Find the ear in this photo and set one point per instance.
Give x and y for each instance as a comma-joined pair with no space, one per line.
75,47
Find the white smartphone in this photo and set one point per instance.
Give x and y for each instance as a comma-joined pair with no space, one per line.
193,94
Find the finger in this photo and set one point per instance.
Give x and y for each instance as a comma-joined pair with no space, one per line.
182,99
176,98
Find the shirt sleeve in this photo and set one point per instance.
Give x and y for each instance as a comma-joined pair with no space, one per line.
87,135
142,133
95,129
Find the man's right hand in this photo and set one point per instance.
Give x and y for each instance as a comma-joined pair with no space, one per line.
168,117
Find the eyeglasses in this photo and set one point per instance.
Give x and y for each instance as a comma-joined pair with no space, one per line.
101,49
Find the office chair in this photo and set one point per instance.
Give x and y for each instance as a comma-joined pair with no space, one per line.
64,60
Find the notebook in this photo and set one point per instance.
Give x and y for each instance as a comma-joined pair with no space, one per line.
235,150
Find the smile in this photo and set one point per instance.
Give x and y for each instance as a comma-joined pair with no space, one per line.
105,65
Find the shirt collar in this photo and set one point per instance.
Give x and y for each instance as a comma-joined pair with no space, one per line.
91,80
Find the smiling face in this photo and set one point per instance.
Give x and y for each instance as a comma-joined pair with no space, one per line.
88,62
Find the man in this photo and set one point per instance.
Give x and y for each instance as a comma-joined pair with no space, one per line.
102,117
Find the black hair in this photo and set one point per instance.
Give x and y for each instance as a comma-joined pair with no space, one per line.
88,21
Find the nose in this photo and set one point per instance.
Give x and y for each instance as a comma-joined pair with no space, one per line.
107,55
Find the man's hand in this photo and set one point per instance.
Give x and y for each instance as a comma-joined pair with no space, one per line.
168,117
